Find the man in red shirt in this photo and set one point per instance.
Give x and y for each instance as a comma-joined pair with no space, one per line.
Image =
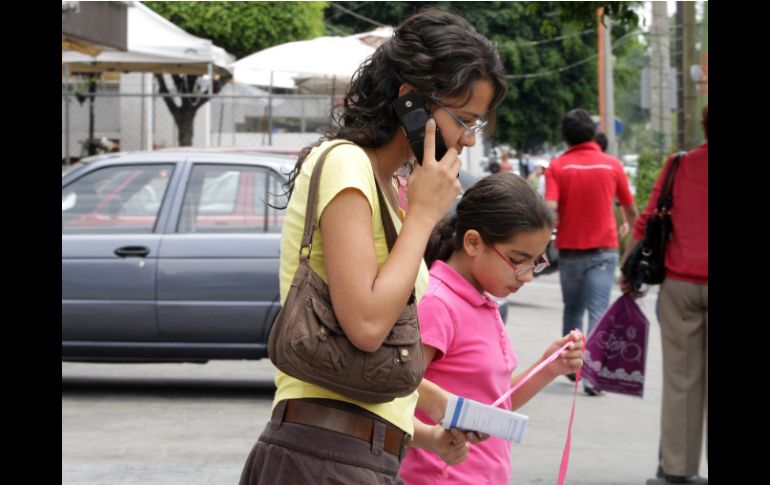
581,186
683,309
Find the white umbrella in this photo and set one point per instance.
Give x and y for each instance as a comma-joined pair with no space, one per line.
376,37
313,62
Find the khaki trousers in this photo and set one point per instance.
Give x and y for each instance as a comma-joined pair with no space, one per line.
684,325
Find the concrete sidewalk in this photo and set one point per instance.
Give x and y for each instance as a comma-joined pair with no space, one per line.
614,437
134,424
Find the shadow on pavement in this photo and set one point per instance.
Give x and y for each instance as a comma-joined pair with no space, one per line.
209,389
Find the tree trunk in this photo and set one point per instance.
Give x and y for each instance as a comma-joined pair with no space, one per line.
184,115
184,123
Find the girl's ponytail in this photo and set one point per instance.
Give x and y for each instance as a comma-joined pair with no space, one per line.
441,243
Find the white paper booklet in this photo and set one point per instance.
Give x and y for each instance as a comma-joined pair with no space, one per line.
474,416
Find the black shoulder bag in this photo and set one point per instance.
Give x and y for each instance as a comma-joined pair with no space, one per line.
646,263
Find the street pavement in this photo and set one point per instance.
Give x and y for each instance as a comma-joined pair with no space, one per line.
614,436
175,424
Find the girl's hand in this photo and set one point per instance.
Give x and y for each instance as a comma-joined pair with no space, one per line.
571,358
450,444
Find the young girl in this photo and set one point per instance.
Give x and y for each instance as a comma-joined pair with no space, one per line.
491,247
316,435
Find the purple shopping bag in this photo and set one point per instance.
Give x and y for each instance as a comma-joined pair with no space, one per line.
616,349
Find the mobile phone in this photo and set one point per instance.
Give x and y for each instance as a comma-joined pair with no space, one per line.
412,114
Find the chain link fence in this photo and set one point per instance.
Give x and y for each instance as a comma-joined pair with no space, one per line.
127,112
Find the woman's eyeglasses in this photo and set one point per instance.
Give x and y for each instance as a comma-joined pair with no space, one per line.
539,265
474,129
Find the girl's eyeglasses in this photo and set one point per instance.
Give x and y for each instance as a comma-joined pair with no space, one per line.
539,265
474,129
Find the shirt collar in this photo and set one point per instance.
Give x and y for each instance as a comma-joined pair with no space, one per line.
459,285
589,145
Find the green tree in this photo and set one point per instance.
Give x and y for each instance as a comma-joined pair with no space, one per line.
540,90
241,28
628,66
650,165
549,50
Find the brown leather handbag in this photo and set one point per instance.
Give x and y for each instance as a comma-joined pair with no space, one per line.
307,342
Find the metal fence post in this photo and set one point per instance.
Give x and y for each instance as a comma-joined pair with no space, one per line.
66,116
270,112
207,108
303,122
334,86
221,116
143,132
149,101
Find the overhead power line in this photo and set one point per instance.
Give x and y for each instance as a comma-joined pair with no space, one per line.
615,45
355,7
334,29
357,15
555,39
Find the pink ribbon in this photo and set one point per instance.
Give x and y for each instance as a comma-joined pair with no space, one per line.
521,382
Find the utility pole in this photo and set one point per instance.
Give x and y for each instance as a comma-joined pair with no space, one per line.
600,62
606,84
660,65
703,78
686,89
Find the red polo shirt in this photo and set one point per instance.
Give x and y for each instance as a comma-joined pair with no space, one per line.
584,181
687,253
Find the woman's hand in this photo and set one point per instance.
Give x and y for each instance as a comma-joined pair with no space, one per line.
433,186
450,444
627,287
623,229
475,437
571,358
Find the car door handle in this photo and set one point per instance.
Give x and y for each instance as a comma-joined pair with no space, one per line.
132,251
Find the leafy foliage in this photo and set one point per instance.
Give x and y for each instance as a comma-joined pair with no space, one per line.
243,28
628,68
647,172
530,114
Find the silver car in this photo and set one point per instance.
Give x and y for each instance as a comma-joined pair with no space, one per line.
171,256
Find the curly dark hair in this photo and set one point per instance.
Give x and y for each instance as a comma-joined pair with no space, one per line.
438,53
499,207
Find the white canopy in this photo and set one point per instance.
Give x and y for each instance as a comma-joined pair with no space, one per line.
376,37
309,62
154,45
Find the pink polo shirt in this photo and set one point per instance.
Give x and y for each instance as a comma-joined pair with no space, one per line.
475,359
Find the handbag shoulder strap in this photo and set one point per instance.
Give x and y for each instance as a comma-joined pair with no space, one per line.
390,229
666,198
387,221
312,199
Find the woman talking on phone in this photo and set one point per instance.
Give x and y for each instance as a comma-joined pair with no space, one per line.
314,434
